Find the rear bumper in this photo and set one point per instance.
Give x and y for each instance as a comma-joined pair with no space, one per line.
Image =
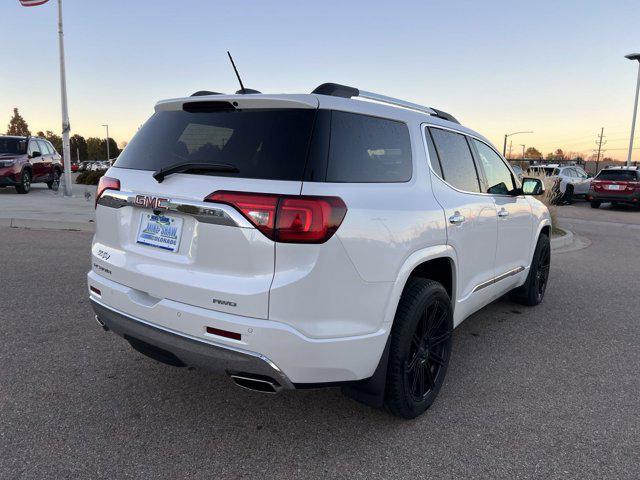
266,347
186,350
633,198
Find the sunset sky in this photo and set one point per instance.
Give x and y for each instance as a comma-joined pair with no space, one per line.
554,67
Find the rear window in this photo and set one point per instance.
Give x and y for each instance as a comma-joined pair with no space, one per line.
618,175
266,144
368,149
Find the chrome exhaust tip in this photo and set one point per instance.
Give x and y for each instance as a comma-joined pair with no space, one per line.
256,383
102,324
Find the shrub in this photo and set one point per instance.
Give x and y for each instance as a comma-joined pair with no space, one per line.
89,178
550,197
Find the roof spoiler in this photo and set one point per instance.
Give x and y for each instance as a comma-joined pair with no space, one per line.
344,91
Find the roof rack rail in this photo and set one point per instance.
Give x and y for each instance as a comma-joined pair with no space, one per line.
344,91
201,93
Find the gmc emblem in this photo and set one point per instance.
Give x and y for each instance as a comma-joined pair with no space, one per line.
154,203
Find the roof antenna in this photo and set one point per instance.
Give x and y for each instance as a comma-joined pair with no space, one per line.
242,91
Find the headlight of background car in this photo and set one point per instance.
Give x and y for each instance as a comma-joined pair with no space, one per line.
6,163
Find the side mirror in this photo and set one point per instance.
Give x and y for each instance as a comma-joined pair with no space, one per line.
532,186
36,155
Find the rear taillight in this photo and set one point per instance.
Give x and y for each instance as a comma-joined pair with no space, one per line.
106,183
287,218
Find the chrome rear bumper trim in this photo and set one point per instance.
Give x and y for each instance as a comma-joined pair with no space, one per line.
204,212
190,350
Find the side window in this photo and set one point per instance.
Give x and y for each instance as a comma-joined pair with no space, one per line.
44,148
33,147
458,168
368,149
433,155
52,149
499,178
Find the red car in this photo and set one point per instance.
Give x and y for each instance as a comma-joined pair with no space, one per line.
618,185
27,160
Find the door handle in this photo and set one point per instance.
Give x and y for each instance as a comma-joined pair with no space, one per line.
503,212
456,218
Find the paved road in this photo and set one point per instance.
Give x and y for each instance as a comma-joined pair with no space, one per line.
550,392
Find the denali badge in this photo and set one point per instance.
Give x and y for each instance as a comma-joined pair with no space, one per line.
154,203
225,302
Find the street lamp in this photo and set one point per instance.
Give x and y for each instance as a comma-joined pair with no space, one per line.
108,156
633,56
504,148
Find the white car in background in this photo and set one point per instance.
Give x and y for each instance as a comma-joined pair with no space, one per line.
573,180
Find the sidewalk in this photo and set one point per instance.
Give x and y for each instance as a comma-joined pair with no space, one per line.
44,208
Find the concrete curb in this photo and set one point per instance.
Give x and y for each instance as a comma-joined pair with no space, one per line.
47,224
563,241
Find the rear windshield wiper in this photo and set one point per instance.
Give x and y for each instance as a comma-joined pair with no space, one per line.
194,167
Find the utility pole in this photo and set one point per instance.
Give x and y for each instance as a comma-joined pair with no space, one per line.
108,156
66,151
600,142
522,145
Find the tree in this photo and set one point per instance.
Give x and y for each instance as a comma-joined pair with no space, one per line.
56,140
114,151
93,148
18,125
78,144
533,154
557,156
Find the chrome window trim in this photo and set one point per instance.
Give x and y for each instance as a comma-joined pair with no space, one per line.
204,212
425,125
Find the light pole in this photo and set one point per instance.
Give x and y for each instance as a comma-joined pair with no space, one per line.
633,56
108,156
507,135
522,145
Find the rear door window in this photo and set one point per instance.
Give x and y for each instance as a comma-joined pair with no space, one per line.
268,144
458,167
368,149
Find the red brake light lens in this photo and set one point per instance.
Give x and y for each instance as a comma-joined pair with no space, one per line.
106,183
287,219
309,219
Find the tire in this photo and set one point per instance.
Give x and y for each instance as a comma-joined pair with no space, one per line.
533,290
25,182
420,348
54,184
595,203
567,198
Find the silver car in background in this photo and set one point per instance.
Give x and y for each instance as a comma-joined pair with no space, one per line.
572,179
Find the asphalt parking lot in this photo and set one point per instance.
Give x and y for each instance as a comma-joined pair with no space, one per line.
548,392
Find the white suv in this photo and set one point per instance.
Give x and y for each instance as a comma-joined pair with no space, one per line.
300,241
